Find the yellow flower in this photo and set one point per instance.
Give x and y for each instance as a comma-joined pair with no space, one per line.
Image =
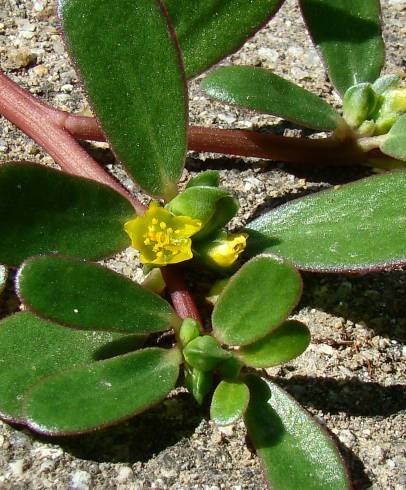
225,252
161,237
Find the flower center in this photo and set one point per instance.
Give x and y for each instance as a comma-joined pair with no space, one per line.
162,238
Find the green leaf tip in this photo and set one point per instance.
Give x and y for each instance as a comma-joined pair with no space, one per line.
394,144
31,349
119,49
256,300
107,392
87,296
355,227
43,210
204,353
262,90
349,36
209,30
284,344
229,402
286,436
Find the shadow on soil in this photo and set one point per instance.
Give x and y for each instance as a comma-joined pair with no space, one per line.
139,439
376,299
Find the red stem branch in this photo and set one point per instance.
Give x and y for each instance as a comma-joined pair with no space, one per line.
49,128
41,124
181,298
326,152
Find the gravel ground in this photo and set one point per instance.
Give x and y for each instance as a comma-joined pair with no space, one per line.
352,376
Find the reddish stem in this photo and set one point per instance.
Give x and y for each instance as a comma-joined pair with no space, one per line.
181,298
40,123
48,127
327,151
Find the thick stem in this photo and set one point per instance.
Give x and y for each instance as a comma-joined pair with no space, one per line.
37,121
325,152
182,300
49,128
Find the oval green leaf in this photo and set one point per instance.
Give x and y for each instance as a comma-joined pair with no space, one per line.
120,49
262,90
209,178
394,144
284,344
90,297
107,392
356,227
46,211
204,353
214,207
349,36
3,277
256,300
209,30
31,348
285,437
229,402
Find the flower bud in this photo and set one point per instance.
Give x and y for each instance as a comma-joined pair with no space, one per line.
359,104
223,250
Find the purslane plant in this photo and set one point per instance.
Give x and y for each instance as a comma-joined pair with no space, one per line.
76,360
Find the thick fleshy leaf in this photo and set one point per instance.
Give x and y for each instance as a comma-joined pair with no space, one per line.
120,49
394,144
284,344
31,349
256,300
204,353
104,393
355,227
209,30
386,82
264,91
229,402
295,451
208,177
46,211
349,36
3,277
90,297
214,207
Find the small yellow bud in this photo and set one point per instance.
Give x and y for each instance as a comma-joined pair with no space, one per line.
225,252
161,237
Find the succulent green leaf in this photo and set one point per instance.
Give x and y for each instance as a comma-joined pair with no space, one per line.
386,82
198,383
46,211
359,104
209,178
90,297
354,227
104,393
256,300
3,277
394,144
204,353
120,49
189,330
262,90
214,207
31,348
229,402
284,344
295,451
209,30
349,36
